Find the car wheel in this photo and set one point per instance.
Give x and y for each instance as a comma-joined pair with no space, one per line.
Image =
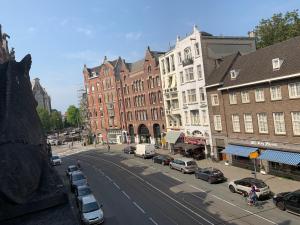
232,189
209,180
171,167
163,163
244,194
182,171
280,205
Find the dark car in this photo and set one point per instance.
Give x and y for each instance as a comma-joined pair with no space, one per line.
289,201
211,175
129,149
162,159
77,179
82,191
71,169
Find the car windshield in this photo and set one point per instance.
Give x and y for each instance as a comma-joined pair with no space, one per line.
73,168
191,163
84,191
90,207
78,177
259,184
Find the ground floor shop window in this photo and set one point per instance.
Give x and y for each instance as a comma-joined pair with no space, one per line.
244,162
284,170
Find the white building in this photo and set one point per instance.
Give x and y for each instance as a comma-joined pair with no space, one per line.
183,71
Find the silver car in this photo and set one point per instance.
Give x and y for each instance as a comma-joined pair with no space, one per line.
90,211
184,165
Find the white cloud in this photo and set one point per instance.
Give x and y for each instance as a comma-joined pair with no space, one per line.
86,31
133,36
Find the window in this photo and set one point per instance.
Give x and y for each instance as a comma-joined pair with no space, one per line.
199,72
187,53
172,63
276,63
232,98
248,123
217,122
183,97
296,122
202,95
195,117
294,90
279,123
234,74
192,95
236,123
186,117
245,97
262,123
162,63
181,77
259,95
214,99
197,50
189,74
204,117
275,92
179,58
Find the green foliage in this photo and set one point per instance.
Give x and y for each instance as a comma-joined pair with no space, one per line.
277,28
45,118
51,121
56,120
74,116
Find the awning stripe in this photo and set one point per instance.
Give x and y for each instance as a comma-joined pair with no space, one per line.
289,158
239,150
172,136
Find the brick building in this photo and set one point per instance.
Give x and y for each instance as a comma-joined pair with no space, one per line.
143,99
254,104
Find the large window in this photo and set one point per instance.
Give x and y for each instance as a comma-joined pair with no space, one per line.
217,122
187,53
236,123
279,123
183,97
214,99
197,49
294,90
232,98
192,96
202,95
248,123
262,121
195,117
189,74
179,58
275,92
259,95
296,122
199,72
245,97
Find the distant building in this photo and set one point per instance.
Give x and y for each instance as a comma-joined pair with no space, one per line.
40,95
4,52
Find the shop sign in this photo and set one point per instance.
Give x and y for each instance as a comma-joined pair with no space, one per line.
264,143
253,155
195,140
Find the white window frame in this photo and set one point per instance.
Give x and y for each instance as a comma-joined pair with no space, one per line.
201,91
245,96
232,98
214,99
293,92
236,126
296,122
199,72
189,74
195,117
179,58
248,122
181,77
279,123
192,93
204,117
259,95
262,123
197,48
183,97
217,122
275,92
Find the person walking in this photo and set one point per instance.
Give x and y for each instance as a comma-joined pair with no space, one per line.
108,147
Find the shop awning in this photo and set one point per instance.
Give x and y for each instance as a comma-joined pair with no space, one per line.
239,150
172,136
290,158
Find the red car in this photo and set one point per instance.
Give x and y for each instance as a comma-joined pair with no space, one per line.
162,159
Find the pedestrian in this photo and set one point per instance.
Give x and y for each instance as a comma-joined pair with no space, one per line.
78,164
108,147
252,195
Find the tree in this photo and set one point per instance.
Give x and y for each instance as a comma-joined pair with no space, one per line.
73,116
277,28
56,120
45,118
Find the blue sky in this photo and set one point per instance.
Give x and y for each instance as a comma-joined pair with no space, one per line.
63,35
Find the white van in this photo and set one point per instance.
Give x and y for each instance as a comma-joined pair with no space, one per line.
145,150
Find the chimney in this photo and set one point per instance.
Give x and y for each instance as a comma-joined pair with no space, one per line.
105,59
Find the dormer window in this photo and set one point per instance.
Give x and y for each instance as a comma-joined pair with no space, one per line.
234,74
94,74
277,62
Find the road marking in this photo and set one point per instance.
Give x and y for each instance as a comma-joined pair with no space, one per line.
153,221
175,178
108,178
126,194
199,189
139,207
117,185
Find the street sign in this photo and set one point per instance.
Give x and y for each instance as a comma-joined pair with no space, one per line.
253,155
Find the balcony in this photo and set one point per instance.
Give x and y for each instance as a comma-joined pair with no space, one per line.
187,62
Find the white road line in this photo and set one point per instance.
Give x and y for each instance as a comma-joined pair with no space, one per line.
108,178
153,221
199,189
175,178
126,194
139,207
117,185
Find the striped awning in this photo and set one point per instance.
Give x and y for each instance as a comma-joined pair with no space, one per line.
172,136
289,158
239,150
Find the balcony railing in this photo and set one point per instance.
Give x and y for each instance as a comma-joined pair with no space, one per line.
187,62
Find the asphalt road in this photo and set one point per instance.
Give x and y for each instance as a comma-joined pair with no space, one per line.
136,191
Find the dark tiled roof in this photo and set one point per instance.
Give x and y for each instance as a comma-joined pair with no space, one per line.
218,75
136,66
257,66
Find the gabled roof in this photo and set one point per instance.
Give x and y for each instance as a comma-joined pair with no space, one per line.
257,66
136,66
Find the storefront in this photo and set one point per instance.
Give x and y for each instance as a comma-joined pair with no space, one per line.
114,136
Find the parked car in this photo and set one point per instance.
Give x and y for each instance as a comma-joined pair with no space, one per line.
53,142
77,179
184,165
71,169
162,159
56,160
82,191
145,150
90,211
289,201
243,187
129,149
211,175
